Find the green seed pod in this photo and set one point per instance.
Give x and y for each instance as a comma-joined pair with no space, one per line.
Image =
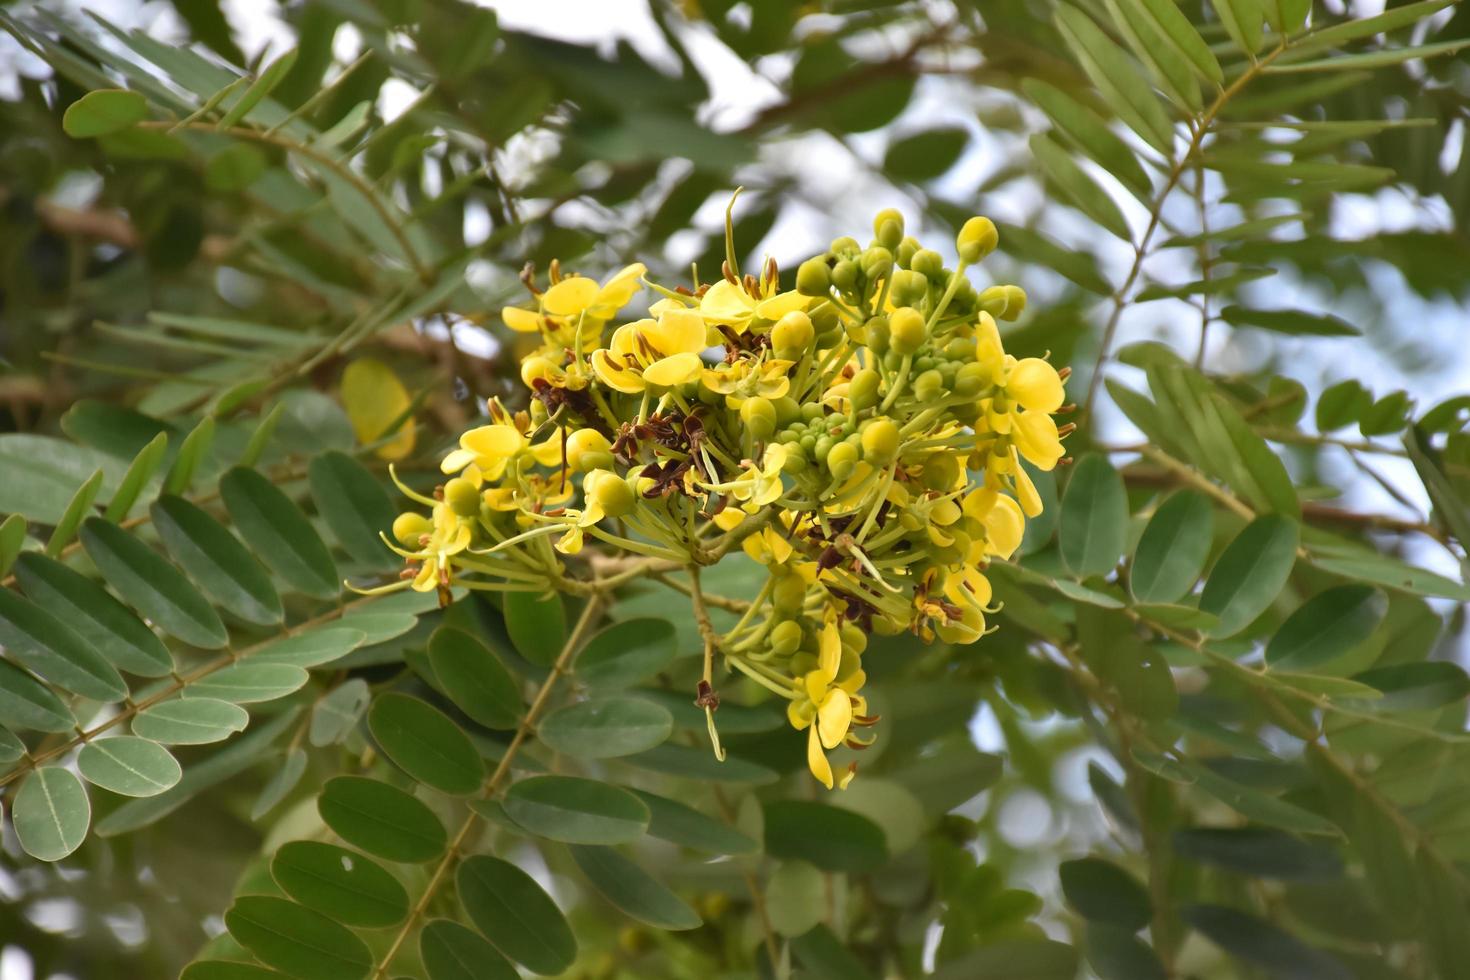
970,379
941,472
792,335
813,278
880,441
976,240
877,263
759,417
888,228
927,262
409,527
863,389
908,288
462,496
845,275
1003,302
906,330
904,254
786,638
929,385
841,459
788,410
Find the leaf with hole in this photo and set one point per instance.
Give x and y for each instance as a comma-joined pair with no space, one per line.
51,814
297,940
513,912
216,560
351,888
129,765
152,586
191,721
633,890
381,819
423,742
576,810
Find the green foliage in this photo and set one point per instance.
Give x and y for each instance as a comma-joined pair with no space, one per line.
1247,614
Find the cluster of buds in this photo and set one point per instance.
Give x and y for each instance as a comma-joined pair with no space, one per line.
859,435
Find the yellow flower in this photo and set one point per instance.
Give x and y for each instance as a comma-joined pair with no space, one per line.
1037,439
730,305
826,707
748,379
575,296
756,486
488,447
1035,385
768,546
450,535
1002,518
647,352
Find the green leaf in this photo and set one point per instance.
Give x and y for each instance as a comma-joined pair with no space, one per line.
683,825
343,884
381,819
1094,518
234,168
1451,506
1117,954
1242,20
195,721
1034,247
1213,286
297,940
46,645
1342,404
474,678
12,540
1080,189
576,810
1250,573
1360,27
795,893
513,912
79,507
1254,228
11,747
1122,87
140,472
626,653
451,951
102,112
338,713
1173,74
264,83
1259,806
152,586
691,763
216,560
1091,134
1286,16
634,890
224,970
1382,58
281,783
1264,945
1014,959
51,814
193,451
312,648
1326,626
1176,30
1393,574
825,957
354,505
423,742
1292,322
279,533
1173,548
1259,852
831,838
28,704
42,474
1420,686
537,625
249,683
926,155
606,728
129,765
1101,891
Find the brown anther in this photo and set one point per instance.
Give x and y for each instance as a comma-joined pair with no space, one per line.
412,571
752,286
771,274
728,273
1066,409
528,277
439,492
866,721
424,540
1064,373
706,696
683,290
1065,430
553,271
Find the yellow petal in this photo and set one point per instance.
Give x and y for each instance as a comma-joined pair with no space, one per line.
548,453
1036,438
1004,527
834,717
521,321
1026,491
1036,385
829,651
726,302
457,460
781,304
616,376
570,296
374,399
677,332
618,291
673,370
800,713
729,519
816,761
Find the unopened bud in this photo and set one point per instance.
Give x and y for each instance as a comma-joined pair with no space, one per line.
813,278
888,228
792,335
906,330
976,240
462,496
1003,302
409,527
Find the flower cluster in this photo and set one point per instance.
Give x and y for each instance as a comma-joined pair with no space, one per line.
860,434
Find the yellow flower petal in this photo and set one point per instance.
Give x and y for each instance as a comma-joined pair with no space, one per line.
616,375
834,717
521,321
673,370
816,761
1036,438
1004,527
726,302
570,296
1026,491
1036,385
677,332
829,651
729,519
781,304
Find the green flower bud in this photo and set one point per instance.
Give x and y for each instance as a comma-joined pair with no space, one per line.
853,638
927,262
904,254
908,288
976,240
812,410
824,446
845,247
906,330
803,663
888,228
960,349
877,263
706,395
610,491
929,385
792,335
586,449
759,417
788,410
795,461
876,334
462,496
850,664
1003,302
880,441
786,638
813,278
941,472
409,527
845,275
841,459
863,389
970,379
827,324
788,595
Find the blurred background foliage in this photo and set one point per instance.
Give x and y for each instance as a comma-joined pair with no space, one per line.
1112,784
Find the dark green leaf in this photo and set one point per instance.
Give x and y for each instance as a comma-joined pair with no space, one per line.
279,533
26,703
425,743
216,560
1014,959
626,653
831,838
129,765
1173,548
576,810
102,112
1080,189
381,819
42,473
1122,86
925,155
152,586
605,728
51,814
234,168
513,912
537,625
451,951
77,509
1091,134
474,678
90,610
683,825
691,763
192,721
223,970
1326,626
193,452
47,646
352,889
1415,686
298,940
825,957
1261,943
633,890
1342,404
1250,573
354,505
1294,322
1094,517
1101,891
1032,246
1117,954
140,471
1258,852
